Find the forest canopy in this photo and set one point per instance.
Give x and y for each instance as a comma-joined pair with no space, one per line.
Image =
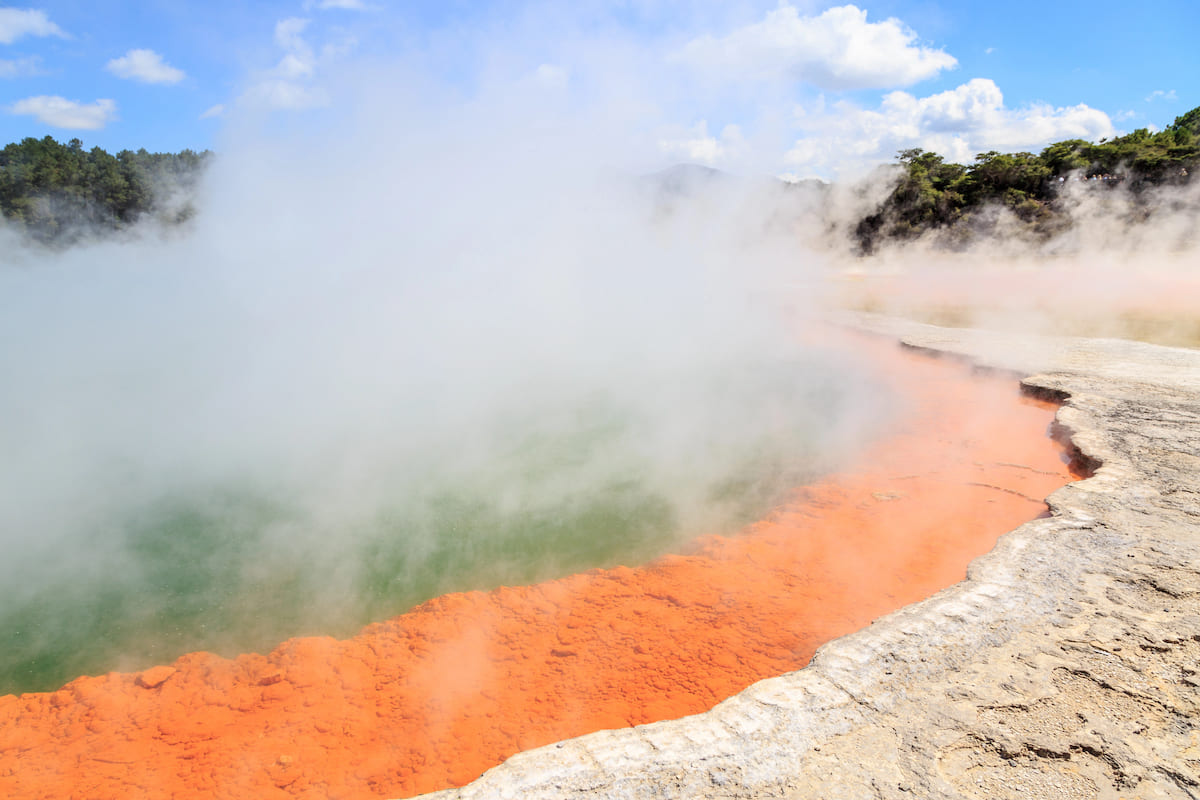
934,194
58,194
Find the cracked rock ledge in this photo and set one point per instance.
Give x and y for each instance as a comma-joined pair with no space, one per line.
1066,665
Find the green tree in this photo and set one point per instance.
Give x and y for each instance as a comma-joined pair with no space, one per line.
1066,156
931,193
58,193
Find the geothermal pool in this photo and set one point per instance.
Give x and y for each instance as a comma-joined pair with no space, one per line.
432,697
118,568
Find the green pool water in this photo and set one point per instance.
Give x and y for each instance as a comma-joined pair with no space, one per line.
534,492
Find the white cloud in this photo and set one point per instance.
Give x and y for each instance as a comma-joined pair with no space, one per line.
1159,94
958,124
288,34
62,113
18,22
20,67
283,95
146,66
837,49
551,76
698,146
349,5
290,84
294,66
213,111
298,60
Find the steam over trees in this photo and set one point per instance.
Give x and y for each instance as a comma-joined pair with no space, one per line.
933,194
60,193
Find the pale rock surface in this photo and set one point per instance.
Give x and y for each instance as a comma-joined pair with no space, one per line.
1067,665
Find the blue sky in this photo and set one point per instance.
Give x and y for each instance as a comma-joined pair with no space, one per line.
793,88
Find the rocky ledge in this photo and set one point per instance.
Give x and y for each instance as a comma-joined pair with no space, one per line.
1064,666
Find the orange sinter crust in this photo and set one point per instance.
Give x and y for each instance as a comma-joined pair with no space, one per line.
435,696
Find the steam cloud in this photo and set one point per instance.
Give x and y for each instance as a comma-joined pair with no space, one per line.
414,346
1122,263
437,346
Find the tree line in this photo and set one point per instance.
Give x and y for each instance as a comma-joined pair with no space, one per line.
59,193
935,194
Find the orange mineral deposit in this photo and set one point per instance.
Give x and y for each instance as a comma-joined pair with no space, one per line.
435,696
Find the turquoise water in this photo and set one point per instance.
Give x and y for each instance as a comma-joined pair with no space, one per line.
528,493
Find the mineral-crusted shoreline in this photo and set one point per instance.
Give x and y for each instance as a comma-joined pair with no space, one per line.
1065,666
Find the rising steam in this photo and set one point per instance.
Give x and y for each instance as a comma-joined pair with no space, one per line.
1121,263
389,359
441,339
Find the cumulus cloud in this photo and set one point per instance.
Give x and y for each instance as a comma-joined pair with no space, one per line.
289,85
60,112
837,49
696,145
146,66
551,76
16,23
958,124
289,34
20,67
295,65
1160,94
284,95
299,60
349,5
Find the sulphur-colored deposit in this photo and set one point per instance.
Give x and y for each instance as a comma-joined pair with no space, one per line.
432,698
1065,666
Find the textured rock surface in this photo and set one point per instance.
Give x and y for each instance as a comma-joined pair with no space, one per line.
1065,666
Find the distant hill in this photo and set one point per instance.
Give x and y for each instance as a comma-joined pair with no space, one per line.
58,194
686,178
